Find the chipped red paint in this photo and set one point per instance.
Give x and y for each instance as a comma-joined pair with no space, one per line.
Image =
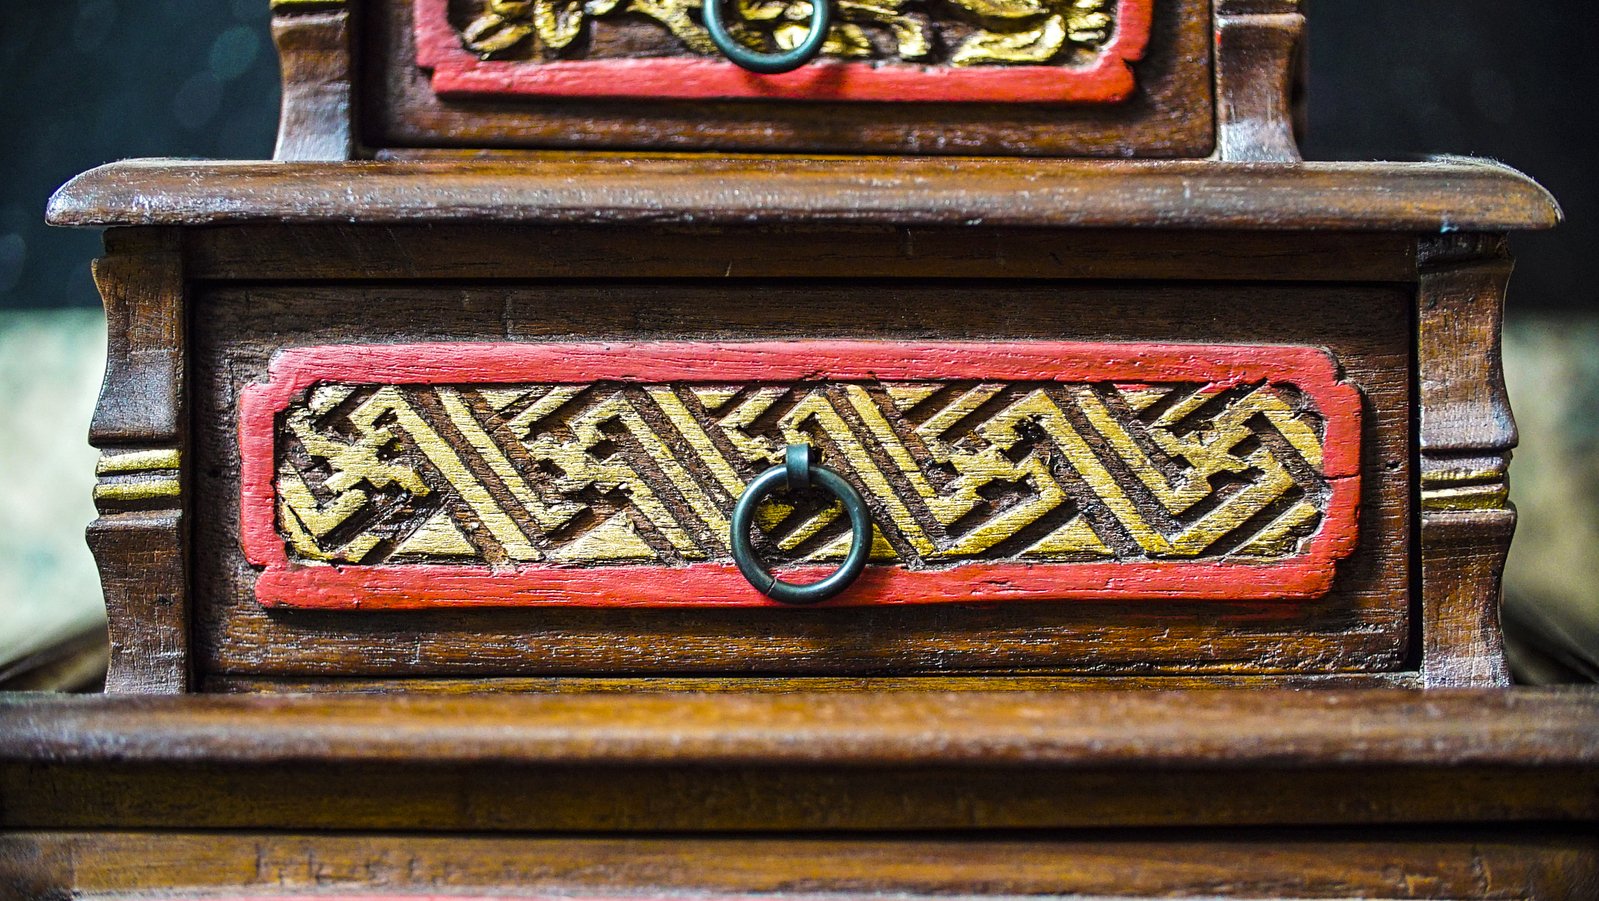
458,71
391,587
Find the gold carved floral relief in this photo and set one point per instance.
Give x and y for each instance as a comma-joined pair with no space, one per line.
940,32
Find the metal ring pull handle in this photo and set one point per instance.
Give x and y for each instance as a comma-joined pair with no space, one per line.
798,471
760,61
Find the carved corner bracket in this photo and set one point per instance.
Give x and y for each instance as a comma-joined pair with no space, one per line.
1466,437
139,540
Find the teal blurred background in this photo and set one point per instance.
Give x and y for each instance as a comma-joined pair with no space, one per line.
83,82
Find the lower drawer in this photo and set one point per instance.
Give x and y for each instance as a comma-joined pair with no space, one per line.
470,480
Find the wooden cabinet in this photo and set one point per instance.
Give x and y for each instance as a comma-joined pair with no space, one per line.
448,413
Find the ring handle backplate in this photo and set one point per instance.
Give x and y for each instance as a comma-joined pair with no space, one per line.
799,470
769,63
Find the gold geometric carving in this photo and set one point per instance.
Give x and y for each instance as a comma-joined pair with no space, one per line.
611,473
952,32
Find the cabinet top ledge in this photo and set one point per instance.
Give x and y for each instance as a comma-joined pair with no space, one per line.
1442,195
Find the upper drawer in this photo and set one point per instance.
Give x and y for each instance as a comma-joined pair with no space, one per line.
1111,78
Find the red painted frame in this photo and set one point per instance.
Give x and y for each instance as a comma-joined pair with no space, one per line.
458,71
287,584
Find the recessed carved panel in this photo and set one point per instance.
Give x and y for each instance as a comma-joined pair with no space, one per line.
439,474
1031,470
1047,51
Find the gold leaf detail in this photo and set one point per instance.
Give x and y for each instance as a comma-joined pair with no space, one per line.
1005,9
1037,45
1008,31
558,22
502,26
674,14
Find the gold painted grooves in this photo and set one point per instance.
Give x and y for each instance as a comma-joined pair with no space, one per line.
137,461
137,476
138,489
1473,497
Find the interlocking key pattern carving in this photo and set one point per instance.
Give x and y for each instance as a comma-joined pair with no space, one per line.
978,466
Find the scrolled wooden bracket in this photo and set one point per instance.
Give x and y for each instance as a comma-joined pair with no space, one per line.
139,539
316,121
1466,437
1258,53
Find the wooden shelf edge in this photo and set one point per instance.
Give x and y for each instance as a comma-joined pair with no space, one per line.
1221,729
1444,195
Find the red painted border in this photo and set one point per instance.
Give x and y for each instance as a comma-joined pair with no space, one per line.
422,586
458,71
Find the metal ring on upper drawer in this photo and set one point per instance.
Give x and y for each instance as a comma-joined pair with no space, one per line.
798,471
769,63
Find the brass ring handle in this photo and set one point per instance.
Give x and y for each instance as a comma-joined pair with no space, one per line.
798,471
769,63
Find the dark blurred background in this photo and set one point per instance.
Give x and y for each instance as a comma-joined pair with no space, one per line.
87,81
83,82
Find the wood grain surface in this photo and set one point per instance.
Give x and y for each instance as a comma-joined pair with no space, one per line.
779,763
1460,864
1259,58
791,684
1093,865
1442,196
1244,731
316,120
457,251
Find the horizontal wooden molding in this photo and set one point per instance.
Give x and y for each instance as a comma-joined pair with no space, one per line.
607,189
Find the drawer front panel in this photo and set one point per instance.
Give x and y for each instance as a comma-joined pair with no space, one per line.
262,353
1109,78
411,476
